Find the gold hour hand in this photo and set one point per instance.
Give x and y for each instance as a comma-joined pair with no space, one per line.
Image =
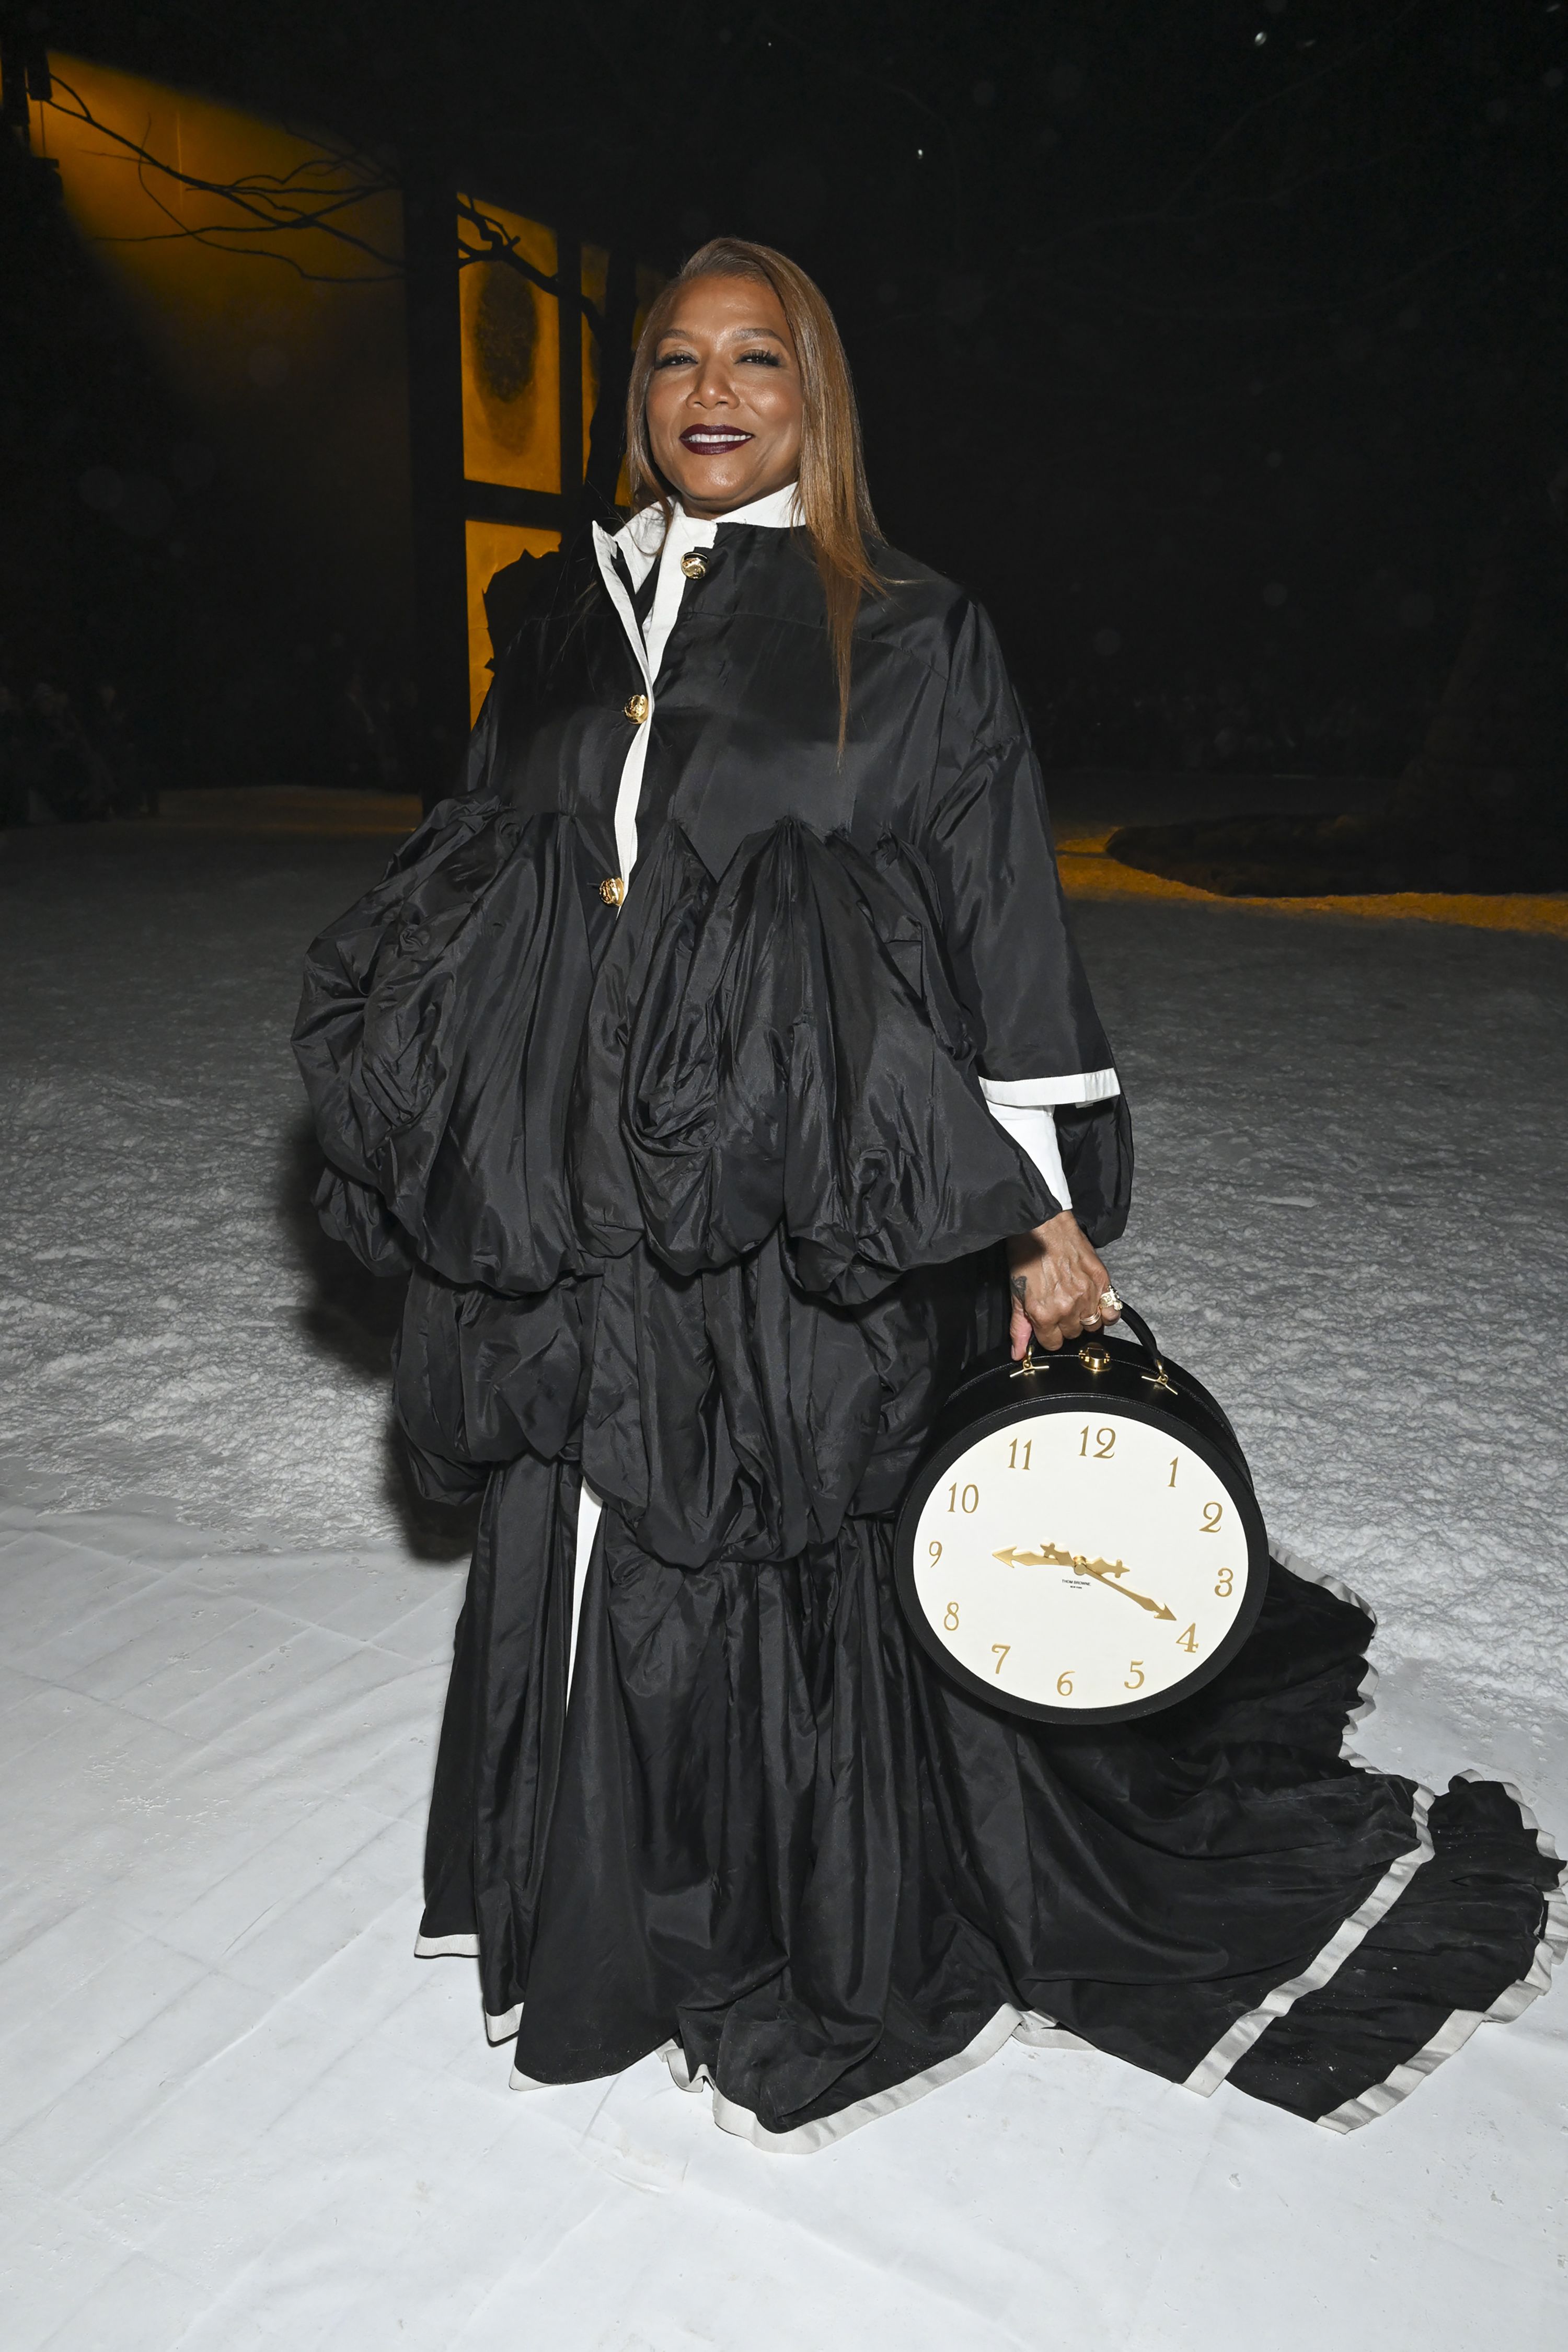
1103,1572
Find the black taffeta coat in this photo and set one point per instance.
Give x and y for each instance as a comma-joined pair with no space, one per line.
701,1205
703,1190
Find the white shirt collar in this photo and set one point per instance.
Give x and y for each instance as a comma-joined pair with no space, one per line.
643,537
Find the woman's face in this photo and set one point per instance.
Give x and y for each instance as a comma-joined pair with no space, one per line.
724,398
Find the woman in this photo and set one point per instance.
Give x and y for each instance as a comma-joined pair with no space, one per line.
699,1060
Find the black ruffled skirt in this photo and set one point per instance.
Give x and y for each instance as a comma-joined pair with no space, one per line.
760,1834
701,1205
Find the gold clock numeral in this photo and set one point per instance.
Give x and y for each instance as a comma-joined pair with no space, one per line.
1064,1682
1172,1479
1189,1640
1104,1445
1013,1461
1213,1513
936,1551
968,1501
999,1651
951,1620
1227,1581
1134,1667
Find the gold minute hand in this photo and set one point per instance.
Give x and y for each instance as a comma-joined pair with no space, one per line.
1103,1571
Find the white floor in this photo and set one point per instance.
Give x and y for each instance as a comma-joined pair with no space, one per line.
235,2112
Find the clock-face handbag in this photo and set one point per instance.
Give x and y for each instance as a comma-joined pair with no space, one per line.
1081,1543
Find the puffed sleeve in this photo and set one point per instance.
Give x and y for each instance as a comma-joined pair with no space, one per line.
986,840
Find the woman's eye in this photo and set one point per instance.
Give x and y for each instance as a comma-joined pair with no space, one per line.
762,359
676,359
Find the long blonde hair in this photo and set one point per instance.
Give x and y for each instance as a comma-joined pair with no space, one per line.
835,505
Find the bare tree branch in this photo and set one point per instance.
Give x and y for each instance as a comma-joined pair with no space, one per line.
498,247
270,203
313,196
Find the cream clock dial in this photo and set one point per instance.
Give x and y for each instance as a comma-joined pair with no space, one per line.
1085,1561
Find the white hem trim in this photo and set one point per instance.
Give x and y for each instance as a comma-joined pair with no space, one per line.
806,2138
1460,2023
1366,1702
1210,2071
1044,1094
503,2028
441,1948
1036,2031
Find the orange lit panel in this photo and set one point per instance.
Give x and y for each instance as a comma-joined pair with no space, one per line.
512,344
491,546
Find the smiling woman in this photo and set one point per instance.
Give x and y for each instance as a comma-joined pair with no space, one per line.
724,399
723,1066
739,387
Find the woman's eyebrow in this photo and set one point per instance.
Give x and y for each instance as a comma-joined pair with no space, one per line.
681,335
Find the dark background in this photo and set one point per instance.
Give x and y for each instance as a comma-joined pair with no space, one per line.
1214,345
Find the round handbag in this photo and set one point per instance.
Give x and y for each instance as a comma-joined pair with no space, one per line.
1081,1543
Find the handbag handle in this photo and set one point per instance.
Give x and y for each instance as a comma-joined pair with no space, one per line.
1156,1375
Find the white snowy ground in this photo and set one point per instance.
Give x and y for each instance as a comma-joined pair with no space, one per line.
238,2115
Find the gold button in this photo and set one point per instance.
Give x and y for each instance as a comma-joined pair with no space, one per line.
637,707
694,567
612,889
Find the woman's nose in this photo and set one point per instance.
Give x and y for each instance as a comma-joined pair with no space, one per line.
711,389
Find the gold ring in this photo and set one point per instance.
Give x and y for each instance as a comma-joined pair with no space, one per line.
1093,1322
1109,1301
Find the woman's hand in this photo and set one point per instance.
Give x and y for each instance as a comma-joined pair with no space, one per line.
1057,1281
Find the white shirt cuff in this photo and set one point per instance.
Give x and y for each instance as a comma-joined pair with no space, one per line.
1035,1094
1033,1130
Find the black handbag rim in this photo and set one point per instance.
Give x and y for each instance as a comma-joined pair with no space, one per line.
1127,1360
1230,1467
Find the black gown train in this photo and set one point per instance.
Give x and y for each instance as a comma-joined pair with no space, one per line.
701,1206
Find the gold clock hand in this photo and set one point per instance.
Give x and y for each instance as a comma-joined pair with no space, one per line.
1103,1571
